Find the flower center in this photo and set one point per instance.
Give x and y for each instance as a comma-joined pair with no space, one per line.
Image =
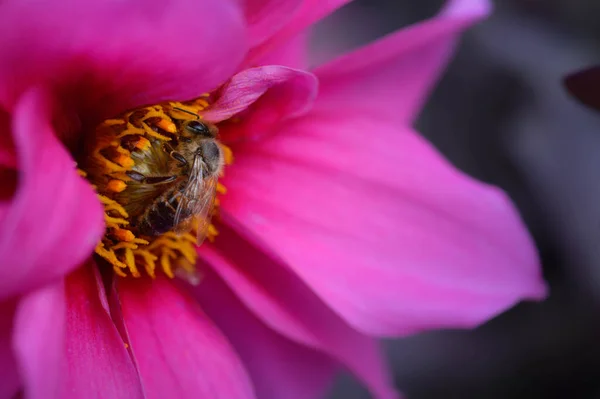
155,170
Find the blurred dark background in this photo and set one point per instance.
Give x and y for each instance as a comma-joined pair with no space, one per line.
501,114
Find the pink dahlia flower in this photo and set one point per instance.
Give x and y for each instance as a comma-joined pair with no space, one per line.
340,223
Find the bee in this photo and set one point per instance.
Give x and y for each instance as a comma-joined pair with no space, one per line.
173,183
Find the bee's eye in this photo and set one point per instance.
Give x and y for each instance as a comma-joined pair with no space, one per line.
198,128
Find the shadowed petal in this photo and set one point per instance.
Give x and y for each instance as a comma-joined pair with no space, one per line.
178,350
391,78
9,179
55,219
97,363
293,53
264,17
266,95
107,56
38,341
283,302
7,146
585,86
278,367
385,231
10,380
309,12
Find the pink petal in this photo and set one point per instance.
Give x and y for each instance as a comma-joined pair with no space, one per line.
105,57
385,231
393,76
96,358
266,95
278,367
264,17
293,53
38,340
178,350
307,14
10,381
43,237
284,303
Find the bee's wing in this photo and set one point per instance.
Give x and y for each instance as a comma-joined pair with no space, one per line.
196,201
204,208
188,200
138,195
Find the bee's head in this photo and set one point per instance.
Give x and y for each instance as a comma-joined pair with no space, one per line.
211,154
201,136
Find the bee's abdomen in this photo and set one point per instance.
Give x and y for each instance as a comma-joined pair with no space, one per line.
158,219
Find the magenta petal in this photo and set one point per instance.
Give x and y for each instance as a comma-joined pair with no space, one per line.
385,231
96,359
38,340
266,95
112,55
245,88
284,303
10,380
264,17
393,76
293,53
267,17
43,237
178,350
278,367
307,14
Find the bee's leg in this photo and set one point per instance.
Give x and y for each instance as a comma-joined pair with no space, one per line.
136,176
167,148
175,155
160,179
179,158
151,179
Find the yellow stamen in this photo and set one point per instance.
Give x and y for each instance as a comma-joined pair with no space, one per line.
142,144
116,185
212,233
119,147
221,189
125,161
124,235
167,126
227,155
